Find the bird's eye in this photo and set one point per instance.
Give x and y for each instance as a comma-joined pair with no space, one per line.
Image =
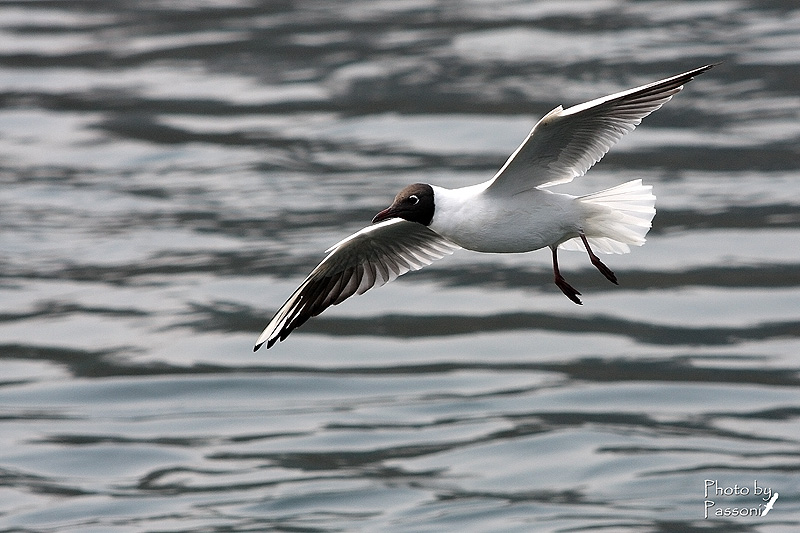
414,199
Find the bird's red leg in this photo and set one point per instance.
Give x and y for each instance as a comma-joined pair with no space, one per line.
599,264
568,290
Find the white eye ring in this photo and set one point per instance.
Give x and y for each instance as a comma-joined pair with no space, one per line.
414,199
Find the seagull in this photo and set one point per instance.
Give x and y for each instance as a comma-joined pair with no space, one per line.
513,212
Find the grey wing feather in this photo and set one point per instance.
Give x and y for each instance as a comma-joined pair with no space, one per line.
369,258
565,143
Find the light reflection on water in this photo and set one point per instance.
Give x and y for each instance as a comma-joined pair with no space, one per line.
170,172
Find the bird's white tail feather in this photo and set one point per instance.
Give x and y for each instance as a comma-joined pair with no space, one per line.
615,218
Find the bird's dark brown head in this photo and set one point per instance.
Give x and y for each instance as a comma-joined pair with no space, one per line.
414,203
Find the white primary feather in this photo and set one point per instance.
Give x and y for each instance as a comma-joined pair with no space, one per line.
565,143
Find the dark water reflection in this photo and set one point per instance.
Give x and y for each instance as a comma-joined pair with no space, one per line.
171,170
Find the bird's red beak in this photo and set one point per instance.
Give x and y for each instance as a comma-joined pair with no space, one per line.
386,214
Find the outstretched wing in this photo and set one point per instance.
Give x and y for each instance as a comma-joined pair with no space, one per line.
369,258
565,143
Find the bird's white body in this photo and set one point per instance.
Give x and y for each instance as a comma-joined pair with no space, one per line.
468,216
611,219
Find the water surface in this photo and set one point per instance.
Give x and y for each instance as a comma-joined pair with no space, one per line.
172,170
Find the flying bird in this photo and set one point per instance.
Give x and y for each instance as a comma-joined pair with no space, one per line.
510,213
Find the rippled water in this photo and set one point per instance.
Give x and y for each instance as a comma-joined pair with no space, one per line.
171,170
